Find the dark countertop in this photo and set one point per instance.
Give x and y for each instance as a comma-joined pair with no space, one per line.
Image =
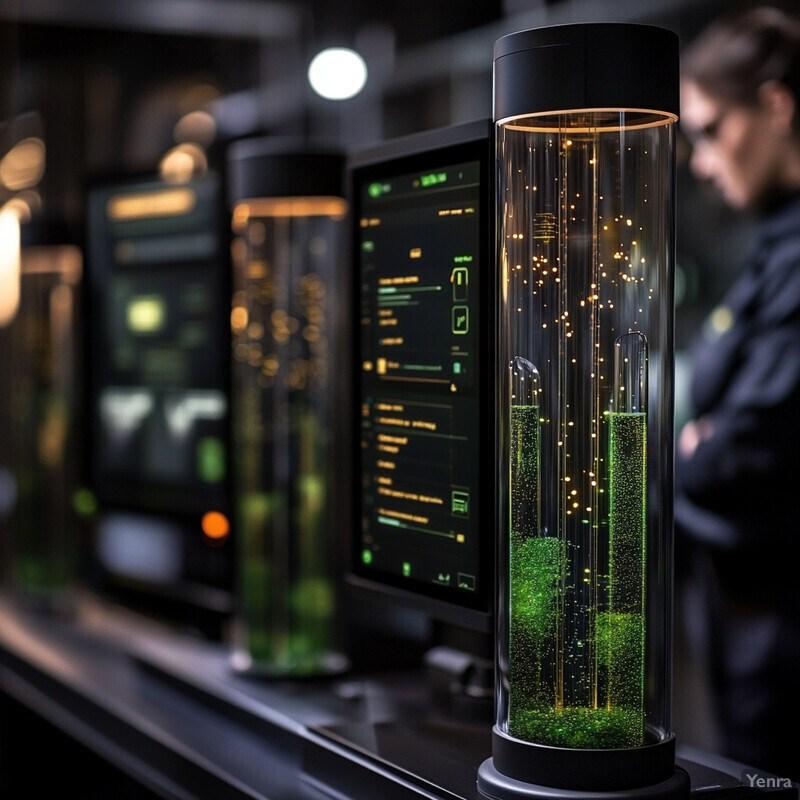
167,709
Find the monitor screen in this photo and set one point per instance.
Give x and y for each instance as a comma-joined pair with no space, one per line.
159,374
159,366
423,403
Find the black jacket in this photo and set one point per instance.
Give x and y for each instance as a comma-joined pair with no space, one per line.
739,493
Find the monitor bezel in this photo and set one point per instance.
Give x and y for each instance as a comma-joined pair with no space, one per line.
455,144
203,597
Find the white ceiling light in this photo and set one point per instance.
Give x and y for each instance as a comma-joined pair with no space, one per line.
337,73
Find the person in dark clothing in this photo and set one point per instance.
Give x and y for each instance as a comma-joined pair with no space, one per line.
737,503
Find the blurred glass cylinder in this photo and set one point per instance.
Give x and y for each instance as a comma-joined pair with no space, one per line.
38,458
288,220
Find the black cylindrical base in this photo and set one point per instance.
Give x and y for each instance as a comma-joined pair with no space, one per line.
583,769
493,785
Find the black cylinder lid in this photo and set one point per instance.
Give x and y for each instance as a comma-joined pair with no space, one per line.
266,167
591,65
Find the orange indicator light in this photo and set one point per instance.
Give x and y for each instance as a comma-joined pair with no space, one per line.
215,525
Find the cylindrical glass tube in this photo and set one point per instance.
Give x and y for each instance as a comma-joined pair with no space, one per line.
287,271
586,305
40,404
585,233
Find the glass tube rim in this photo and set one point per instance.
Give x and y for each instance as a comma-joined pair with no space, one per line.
653,118
301,206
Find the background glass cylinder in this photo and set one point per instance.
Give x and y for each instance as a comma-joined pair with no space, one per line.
284,319
586,231
38,419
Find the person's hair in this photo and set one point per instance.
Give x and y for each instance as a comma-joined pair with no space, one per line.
735,55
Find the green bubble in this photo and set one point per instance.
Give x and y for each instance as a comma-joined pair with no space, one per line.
84,502
211,465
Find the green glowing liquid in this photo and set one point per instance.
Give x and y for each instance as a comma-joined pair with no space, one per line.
540,576
524,474
620,654
536,568
589,728
628,510
621,631
42,574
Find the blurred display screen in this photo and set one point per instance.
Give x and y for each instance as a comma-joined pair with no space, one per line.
159,366
423,455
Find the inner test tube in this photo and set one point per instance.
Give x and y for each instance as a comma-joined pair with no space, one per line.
621,630
536,564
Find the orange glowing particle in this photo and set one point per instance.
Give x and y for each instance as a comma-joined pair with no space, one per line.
215,525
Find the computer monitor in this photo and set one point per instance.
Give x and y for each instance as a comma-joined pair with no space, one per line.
159,374
424,381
